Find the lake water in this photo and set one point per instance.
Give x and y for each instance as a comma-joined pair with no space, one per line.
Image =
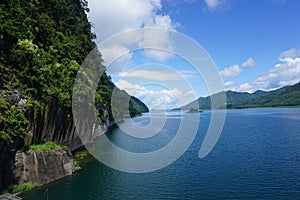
257,156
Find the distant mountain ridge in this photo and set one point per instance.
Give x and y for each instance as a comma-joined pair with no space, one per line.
282,97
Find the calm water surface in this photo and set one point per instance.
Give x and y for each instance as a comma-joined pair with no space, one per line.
257,156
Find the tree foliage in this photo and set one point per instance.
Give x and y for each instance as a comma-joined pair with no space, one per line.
46,41
13,122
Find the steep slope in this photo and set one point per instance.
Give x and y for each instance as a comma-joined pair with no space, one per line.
137,106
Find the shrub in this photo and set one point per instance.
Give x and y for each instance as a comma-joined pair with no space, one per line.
75,164
12,121
47,146
23,187
81,154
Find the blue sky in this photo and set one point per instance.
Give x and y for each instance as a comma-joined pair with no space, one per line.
255,44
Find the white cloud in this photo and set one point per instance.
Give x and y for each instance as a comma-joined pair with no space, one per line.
188,73
157,54
157,99
236,70
287,72
245,87
228,85
114,52
213,4
160,74
291,53
249,63
152,75
115,16
231,71
116,58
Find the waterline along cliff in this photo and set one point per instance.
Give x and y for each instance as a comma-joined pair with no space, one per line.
42,45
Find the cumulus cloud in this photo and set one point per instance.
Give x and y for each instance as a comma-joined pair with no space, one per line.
245,87
115,16
157,99
117,58
115,52
231,71
287,72
249,63
236,70
291,53
228,85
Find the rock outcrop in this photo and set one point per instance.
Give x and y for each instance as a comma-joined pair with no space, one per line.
42,167
55,125
18,166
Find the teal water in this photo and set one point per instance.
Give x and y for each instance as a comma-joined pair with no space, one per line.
256,157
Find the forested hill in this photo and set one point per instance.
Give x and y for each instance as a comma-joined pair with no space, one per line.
42,45
282,97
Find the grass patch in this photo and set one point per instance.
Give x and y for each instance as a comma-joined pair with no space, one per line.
75,164
23,187
79,159
47,146
81,154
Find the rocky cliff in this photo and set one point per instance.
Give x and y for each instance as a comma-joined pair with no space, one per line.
20,166
55,125
42,167
43,44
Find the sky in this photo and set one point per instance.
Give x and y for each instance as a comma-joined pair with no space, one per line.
253,44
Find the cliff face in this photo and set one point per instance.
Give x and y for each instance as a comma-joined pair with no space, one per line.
7,150
6,166
54,125
17,166
42,167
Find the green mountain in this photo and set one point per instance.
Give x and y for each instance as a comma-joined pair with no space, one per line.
282,97
137,106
